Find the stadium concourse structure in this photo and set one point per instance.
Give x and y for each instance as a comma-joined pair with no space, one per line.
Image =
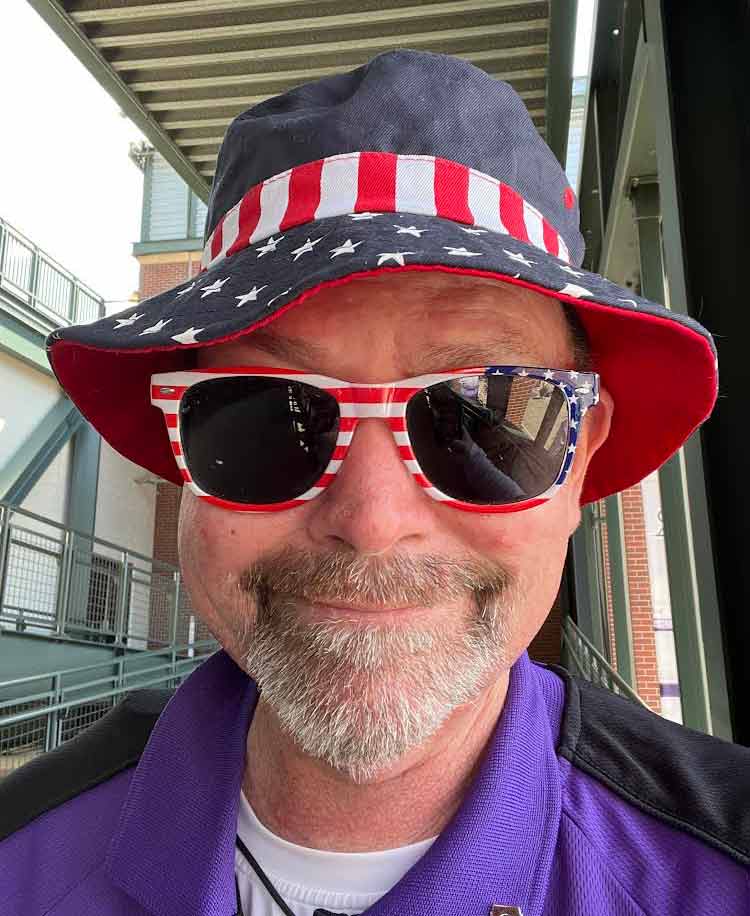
647,603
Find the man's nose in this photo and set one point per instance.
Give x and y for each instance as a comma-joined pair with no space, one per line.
374,502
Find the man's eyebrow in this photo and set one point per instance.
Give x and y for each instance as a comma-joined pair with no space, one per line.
485,353
428,358
287,348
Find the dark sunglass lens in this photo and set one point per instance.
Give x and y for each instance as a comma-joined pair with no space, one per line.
257,440
490,439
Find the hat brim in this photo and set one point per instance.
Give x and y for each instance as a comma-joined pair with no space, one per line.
659,366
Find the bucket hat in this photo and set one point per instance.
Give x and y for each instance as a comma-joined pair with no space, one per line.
415,161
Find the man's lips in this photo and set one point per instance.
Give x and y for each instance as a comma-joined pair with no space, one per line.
355,611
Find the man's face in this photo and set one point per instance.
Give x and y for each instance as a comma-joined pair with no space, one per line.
371,613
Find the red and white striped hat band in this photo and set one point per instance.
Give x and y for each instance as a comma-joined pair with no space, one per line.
380,183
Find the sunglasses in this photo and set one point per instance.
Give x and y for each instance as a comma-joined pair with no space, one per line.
487,439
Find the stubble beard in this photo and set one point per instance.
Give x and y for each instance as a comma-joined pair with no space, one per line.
359,696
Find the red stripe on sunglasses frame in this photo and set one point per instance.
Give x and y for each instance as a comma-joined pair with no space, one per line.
397,424
372,395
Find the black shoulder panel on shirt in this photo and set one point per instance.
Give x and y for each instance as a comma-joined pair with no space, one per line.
695,782
111,744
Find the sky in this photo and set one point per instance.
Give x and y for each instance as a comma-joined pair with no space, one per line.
66,181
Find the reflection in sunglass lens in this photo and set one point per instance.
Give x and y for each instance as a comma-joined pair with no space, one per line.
490,439
257,440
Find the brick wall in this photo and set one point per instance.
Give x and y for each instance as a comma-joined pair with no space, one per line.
639,592
160,272
639,588
518,402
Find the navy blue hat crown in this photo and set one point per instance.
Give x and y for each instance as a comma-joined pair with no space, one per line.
404,102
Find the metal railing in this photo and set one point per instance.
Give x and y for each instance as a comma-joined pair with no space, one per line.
40,712
55,581
585,660
42,285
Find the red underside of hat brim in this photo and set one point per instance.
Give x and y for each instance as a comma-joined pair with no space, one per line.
659,373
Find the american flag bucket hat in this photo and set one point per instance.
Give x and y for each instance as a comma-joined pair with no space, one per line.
414,161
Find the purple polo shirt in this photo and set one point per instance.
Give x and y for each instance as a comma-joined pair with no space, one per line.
536,830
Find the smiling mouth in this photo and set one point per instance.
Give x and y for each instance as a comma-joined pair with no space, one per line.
380,613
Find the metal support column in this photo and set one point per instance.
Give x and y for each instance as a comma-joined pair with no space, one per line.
589,597
684,597
620,590
81,515
708,109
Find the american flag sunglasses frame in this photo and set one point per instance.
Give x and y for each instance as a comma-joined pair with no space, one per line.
387,401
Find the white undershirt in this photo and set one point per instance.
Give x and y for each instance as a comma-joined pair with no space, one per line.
342,882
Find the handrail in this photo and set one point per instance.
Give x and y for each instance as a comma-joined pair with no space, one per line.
60,715
86,587
172,670
146,653
40,282
591,664
17,510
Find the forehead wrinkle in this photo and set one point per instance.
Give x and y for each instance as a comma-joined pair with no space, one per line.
429,358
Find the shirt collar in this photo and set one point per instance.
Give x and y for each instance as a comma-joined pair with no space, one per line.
173,849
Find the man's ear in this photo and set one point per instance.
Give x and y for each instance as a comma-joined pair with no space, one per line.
594,431
597,422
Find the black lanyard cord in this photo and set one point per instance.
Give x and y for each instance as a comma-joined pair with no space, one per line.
268,886
265,880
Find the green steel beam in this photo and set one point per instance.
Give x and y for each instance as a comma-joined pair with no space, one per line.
35,455
562,28
645,197
81,509
168,245
687,532
589,608
84,479
61,23
22,342
620,591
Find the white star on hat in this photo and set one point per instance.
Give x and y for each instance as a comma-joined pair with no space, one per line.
270,245
215,287
571,449
187,289
548,374
187,337
155,327
518,257
472,231
409,230
347,248
397,256
356,216
461,252
569,270
249,297
573,375
125,322
271,301
570,289
308,246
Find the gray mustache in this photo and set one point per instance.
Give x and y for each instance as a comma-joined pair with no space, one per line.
423,580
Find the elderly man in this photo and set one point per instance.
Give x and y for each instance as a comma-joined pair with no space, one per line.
387,395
